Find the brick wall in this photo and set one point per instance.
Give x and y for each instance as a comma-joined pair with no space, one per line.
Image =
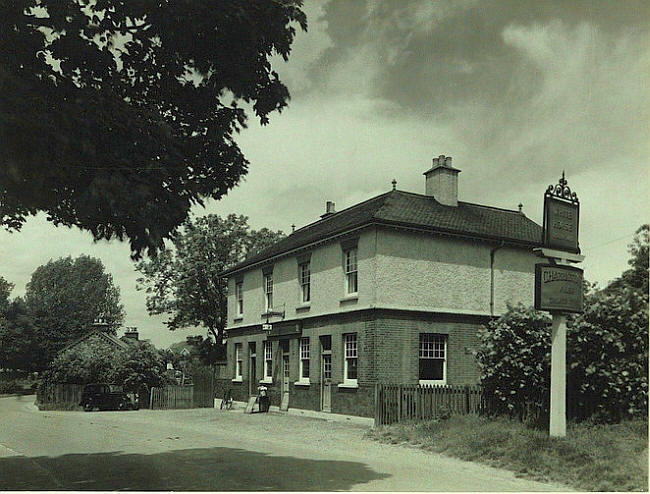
388,352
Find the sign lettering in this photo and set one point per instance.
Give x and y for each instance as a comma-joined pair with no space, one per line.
561,225
558,288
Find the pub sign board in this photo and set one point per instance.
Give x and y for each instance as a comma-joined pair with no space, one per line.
561,224
558,288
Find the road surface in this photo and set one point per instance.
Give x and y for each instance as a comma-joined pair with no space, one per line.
207,450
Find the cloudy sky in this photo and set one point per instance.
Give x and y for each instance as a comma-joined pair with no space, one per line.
515,91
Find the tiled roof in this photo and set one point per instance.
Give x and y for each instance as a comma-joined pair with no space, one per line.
414,210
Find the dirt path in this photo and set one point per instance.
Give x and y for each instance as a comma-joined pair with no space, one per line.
212,450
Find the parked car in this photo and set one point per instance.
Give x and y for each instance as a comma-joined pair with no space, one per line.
106,397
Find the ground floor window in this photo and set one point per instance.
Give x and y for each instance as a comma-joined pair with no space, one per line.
433,358
268,360
304,359
350,363
238,361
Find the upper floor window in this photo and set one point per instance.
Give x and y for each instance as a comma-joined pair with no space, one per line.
305,280
350,257
238,361
239,296
304,359
350,362
268,360
433,358
268,291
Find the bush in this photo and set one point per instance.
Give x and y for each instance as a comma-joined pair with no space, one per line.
514,358
9,387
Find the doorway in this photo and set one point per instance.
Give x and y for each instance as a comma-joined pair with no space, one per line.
252,368
326,373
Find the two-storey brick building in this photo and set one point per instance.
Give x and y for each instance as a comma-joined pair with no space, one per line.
390,290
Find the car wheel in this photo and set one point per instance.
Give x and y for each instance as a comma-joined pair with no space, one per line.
88,407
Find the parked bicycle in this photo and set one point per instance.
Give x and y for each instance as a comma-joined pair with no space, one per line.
227,400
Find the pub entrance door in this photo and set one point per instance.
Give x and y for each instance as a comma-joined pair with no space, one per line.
326,373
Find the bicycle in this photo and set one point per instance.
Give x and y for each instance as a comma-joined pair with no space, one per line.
227,400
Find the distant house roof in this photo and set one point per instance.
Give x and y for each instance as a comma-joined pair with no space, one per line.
113,340
399,208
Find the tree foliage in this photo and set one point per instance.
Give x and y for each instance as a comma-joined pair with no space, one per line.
99,97
95,361
184,282
5,291
139,366
65,296
21,339
607,350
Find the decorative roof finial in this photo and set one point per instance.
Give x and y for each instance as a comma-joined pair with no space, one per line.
293,227
521,207
563,180
394,182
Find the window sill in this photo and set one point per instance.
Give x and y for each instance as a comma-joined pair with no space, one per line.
302,383
237,380
349,385
426,382
353,297
266,380
303,306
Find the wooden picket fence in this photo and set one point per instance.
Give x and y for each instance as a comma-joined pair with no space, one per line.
59,395
171,397
198,395
397,403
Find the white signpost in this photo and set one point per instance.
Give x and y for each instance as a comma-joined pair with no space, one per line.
558,287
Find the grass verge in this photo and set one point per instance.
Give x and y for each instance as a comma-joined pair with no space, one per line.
596,457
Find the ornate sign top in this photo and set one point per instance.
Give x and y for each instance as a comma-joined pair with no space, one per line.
562,190
561,217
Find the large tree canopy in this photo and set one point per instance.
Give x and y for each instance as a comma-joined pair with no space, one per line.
118,115
184,282
65,297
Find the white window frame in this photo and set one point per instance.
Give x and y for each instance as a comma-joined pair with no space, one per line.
435,348
268,292
304,273
350,352
350,268
304,359
239,363
239,297
268,361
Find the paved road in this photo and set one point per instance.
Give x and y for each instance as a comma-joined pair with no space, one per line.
208,449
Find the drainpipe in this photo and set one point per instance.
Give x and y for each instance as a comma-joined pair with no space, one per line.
492,252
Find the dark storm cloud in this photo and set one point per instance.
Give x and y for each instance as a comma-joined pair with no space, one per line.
433,54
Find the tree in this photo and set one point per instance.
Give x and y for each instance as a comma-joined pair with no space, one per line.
99,97
21,340
139,366
184,283
5,291
65,297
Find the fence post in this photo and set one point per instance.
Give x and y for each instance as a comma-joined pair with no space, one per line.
467,398
376,404
399,403
151,398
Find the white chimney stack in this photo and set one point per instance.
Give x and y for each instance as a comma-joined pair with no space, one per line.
329,209
442,181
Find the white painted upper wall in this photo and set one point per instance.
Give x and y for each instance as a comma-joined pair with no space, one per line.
396,269
420,271
327,284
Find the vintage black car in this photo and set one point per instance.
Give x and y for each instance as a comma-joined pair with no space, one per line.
106,397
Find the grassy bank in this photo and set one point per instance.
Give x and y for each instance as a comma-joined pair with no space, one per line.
591,457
